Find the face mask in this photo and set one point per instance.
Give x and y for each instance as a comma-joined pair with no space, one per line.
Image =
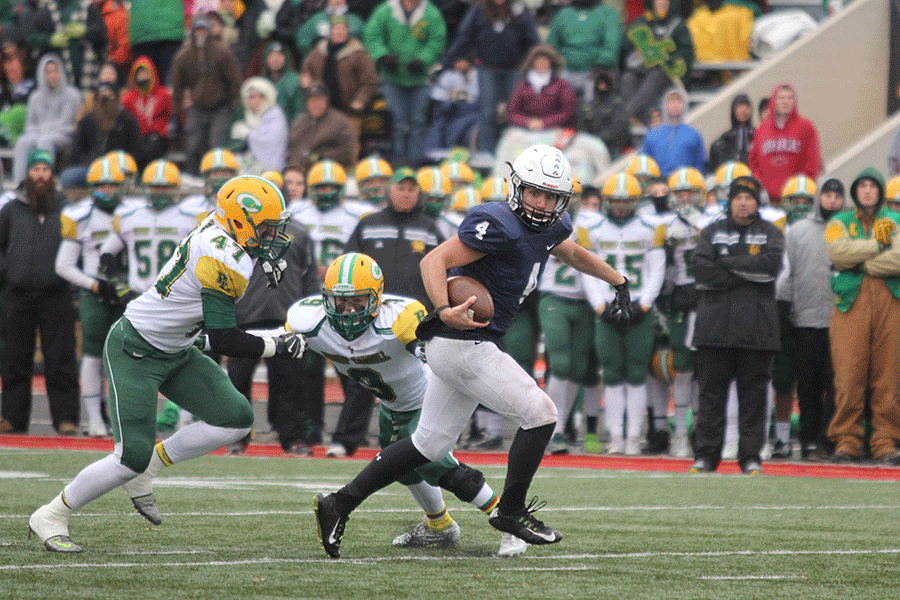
106,202
660,203
537,79
142,84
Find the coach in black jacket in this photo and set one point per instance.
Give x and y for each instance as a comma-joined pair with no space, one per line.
735,265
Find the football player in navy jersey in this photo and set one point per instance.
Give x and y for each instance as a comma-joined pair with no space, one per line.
505,247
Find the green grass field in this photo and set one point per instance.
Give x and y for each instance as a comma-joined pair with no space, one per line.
242,527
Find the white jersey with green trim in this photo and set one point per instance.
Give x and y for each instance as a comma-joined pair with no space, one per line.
169,315
89,226
150,237
634,249
378,358
329,230
682,235
199,205
559,278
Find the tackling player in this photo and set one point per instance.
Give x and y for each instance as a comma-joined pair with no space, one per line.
151,350
504,246
371,337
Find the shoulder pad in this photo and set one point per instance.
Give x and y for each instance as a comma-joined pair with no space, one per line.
79,210
306,314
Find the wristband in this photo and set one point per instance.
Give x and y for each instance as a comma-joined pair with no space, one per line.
269,348
438,310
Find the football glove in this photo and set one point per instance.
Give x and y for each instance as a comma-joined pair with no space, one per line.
419,352
622,302
274,271
202,343
290,345
107,292
883,231
637,313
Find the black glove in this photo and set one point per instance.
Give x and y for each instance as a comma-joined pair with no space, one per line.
107,292
389,63
416,67
637,313
622,302
108,265
290,345
419,352
273,271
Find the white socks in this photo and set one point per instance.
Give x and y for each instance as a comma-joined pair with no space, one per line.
97,479
199,439
637,407
91,375
427,496
614,403
683,392
563,393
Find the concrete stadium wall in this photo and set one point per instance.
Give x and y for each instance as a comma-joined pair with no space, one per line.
869,151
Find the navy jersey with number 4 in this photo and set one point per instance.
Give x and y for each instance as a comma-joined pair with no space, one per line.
515,257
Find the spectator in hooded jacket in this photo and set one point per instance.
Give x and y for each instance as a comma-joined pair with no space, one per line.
318,26
542,100
657,49
735,264
106,128
263,132
151,103
735,143
16,84
500,32
405,39
52,108
674,144
278,67
107,29
784,145
321,132
588,35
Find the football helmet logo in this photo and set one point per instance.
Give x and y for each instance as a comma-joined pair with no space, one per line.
252,211
352,293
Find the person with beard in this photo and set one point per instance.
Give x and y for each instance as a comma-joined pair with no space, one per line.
106,128
735,143
343,64
52,109
37,300
735,263
151,103
205,84
588,35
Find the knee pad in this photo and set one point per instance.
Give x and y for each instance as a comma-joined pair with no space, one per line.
463,481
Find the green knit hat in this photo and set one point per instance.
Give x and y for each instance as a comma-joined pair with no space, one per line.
39,156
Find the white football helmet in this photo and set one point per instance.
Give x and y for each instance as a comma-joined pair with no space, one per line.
544,168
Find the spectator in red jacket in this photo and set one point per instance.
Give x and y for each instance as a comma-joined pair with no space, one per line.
784,145
151,103
107,20
542,100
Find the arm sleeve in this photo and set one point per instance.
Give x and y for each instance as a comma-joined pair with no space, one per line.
67,264
465,34
654,275
221,327
844,251
608,54
514,108
112,245
784,284
374,35
813,164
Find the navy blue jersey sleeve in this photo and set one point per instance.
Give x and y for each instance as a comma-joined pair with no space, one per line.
486,229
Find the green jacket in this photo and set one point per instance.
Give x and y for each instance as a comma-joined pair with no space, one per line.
855,253
291,97
319,25
422,36
155,20
587,39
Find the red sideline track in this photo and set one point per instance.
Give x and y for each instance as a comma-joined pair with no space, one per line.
607,463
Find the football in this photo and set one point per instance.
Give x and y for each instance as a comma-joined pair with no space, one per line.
461,288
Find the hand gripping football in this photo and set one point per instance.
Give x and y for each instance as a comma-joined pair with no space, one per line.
461,288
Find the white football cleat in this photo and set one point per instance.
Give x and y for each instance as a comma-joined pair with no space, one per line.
52,529
681,448
420,535
510,545
616,446
633,446
336,451
98,430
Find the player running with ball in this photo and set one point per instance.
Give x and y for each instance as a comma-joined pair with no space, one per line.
504,246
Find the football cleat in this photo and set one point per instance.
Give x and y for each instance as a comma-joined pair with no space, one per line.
633,446
558,444
592,444
336,451
146,506
701,465
752,468
52,530
420,535
330,524
616,446
510,545
681,448
98,430
782,449
524,526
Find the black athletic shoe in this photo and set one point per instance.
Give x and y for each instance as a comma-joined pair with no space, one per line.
330,523
782,450
523,525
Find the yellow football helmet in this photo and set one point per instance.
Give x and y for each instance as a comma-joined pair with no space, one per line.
643,167
464,199
162,178
892,190
352,293
688,191
373,175
436,188
326,173
218,166
252,211
124,162
495,189
797,196
275,177
727,172
459,174
105,172
621,193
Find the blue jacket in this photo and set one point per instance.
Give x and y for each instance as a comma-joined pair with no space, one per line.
673,146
